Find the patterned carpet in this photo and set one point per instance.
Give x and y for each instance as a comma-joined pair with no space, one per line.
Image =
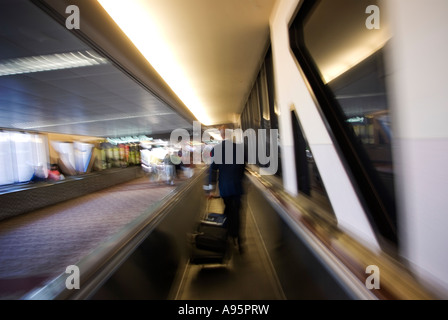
38,246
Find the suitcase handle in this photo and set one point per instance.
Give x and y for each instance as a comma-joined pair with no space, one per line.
206,216
207,208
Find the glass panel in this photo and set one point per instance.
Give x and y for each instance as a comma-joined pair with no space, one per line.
309,182
6,171
347,39
259,113
264,100
24,166
349,57
338,34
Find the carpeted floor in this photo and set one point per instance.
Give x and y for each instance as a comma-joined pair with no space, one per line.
38,246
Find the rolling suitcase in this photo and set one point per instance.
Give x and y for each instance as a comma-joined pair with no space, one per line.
210,239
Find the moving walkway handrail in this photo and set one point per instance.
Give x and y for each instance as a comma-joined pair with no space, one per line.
100,264
343,256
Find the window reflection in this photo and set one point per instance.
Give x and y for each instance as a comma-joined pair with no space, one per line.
344,62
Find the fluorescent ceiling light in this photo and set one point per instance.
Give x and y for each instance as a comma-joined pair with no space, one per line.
47,124
134,18
50,62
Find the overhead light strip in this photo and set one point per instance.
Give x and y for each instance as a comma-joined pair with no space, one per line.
51,62
40,125
143,28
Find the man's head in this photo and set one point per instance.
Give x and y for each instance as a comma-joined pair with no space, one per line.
222,130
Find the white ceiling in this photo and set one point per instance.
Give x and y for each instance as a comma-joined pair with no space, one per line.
221,42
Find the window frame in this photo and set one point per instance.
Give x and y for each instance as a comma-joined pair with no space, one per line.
379,207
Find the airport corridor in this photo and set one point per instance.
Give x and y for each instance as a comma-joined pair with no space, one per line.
37,247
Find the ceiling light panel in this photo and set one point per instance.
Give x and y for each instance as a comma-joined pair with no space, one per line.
135,18
50,62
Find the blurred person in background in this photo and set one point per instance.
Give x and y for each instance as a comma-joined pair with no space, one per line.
54,174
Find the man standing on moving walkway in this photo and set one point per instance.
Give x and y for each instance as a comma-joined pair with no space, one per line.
227,169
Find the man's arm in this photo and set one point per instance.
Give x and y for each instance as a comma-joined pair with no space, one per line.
212,176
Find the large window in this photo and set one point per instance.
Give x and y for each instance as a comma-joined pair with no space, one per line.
340,46
260,111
